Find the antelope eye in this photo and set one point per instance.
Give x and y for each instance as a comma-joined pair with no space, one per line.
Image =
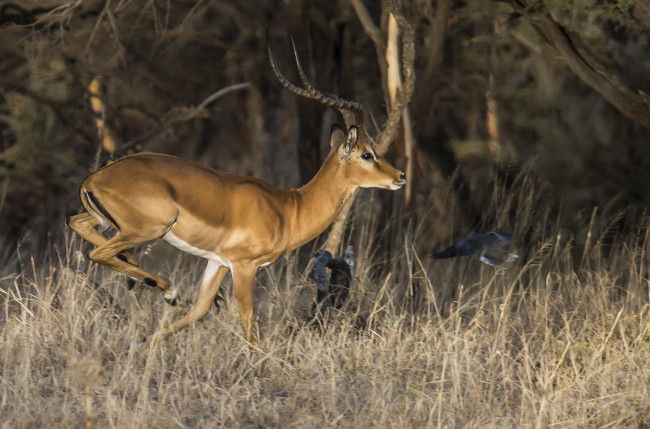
367,156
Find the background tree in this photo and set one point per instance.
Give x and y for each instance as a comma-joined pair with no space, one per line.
555,87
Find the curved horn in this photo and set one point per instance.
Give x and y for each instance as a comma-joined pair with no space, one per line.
351,111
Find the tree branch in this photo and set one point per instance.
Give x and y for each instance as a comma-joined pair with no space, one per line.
387,133
634,105
375,34
181,114
366,22
396,110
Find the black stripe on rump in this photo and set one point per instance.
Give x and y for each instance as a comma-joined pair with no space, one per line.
93,201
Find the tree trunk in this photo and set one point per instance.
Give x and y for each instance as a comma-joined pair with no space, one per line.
396,111
394,84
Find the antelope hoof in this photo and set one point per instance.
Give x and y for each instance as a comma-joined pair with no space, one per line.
150,282
131,282
171,299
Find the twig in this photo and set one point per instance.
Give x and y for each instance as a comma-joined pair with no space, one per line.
182,114
221,93
371,29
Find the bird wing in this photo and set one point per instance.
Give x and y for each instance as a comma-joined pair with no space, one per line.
489,239
340,281
342,270
496,238
320,276
496,257
318,272
323,256
462,248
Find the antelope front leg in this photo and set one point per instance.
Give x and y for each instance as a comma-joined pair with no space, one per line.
243,282
210,282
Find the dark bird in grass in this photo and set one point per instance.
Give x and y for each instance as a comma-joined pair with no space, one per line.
340,280
319,274
488,245
333,292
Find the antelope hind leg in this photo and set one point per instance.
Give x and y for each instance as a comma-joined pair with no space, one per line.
84,224
108,253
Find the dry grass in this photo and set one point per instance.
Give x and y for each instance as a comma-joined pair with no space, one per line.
561,338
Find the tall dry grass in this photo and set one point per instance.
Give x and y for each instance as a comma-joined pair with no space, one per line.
559,338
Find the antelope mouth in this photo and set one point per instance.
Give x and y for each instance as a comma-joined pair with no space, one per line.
397,184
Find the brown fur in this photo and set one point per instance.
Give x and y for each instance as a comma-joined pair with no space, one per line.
238,222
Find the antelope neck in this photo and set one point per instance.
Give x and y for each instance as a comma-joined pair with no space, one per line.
317,203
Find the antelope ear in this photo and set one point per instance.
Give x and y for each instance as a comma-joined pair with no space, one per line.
351,139
336,135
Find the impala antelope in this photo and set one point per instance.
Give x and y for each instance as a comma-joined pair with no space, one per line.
237,223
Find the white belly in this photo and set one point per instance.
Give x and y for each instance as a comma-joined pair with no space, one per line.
186,247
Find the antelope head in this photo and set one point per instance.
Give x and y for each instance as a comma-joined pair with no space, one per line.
359,163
